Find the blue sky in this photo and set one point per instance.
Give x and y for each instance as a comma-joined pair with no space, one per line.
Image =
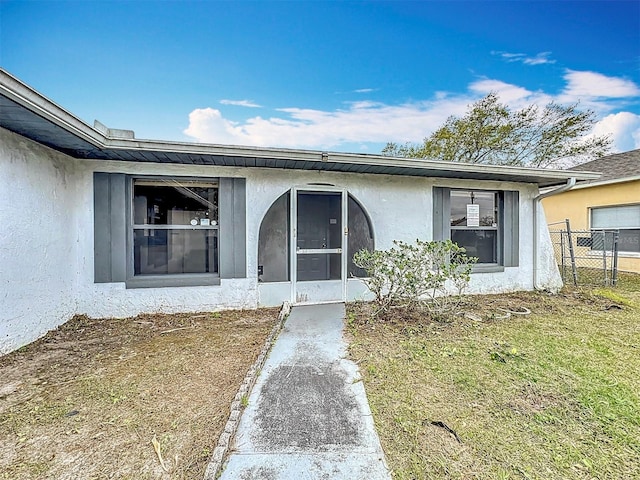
343,76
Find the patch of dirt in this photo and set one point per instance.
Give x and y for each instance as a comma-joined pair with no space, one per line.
87,400
531,400
487,308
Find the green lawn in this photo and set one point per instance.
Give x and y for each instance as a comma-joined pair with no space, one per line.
554,394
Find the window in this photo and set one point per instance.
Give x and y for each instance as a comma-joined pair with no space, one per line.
273,242
625,219
360,236
484,222
175,227
474,223
168,232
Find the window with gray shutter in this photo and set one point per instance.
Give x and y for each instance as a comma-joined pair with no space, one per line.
485,223
162,231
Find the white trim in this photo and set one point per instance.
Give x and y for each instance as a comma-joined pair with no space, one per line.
293,224
621,253
33,101
170,226
323,302
606,182
293,237
26,96
312,251
345,242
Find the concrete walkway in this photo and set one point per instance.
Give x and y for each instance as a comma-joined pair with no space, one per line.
308,415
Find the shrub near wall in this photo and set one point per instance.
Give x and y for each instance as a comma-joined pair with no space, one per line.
428,276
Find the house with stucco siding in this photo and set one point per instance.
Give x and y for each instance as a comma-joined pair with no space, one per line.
96,221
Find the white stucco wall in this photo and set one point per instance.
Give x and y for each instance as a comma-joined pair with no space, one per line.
39,242
46,239
547,276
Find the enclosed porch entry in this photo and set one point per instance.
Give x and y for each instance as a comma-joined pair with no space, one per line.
306,245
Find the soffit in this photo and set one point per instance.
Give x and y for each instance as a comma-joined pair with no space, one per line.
27,113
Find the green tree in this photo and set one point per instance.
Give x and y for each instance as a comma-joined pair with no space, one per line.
491,133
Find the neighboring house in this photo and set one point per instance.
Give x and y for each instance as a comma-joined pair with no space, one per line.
609,202
95,221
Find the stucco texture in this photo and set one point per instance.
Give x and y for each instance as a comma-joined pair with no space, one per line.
46,242
39,240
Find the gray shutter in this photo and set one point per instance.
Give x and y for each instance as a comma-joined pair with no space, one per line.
441,213
109,227
511,225
232,200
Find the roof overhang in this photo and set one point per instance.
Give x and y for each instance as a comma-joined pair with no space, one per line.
614,181
28,113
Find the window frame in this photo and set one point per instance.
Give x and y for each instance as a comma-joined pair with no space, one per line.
626,253
498,222
168,279
507,242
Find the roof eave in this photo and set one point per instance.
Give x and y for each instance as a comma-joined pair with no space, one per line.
337,157
606,182
23,94
30,99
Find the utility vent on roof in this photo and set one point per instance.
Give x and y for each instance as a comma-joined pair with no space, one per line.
113,132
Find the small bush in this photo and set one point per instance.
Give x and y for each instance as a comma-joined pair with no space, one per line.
424,275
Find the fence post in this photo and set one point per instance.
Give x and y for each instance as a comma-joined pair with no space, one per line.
604,257
614,274
562,255
573,257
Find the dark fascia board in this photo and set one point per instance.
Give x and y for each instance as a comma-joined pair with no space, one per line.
34,102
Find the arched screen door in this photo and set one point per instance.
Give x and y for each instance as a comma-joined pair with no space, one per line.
318,245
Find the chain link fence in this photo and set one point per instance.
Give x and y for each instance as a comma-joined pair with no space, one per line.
585,257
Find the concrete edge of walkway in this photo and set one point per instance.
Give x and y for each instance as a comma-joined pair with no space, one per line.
219,453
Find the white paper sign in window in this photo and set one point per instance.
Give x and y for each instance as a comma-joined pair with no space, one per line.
473,215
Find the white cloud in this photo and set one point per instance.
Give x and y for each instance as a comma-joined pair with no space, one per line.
596,85
596,91
364,90
512,95
368,124
511,57
240,103
539,59
208,125
359,122
624,129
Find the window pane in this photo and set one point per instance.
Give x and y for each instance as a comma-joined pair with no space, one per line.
273,242
360,236
629,241
485,200
319,266
627,216
478,243
319,220
171,202
175,251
